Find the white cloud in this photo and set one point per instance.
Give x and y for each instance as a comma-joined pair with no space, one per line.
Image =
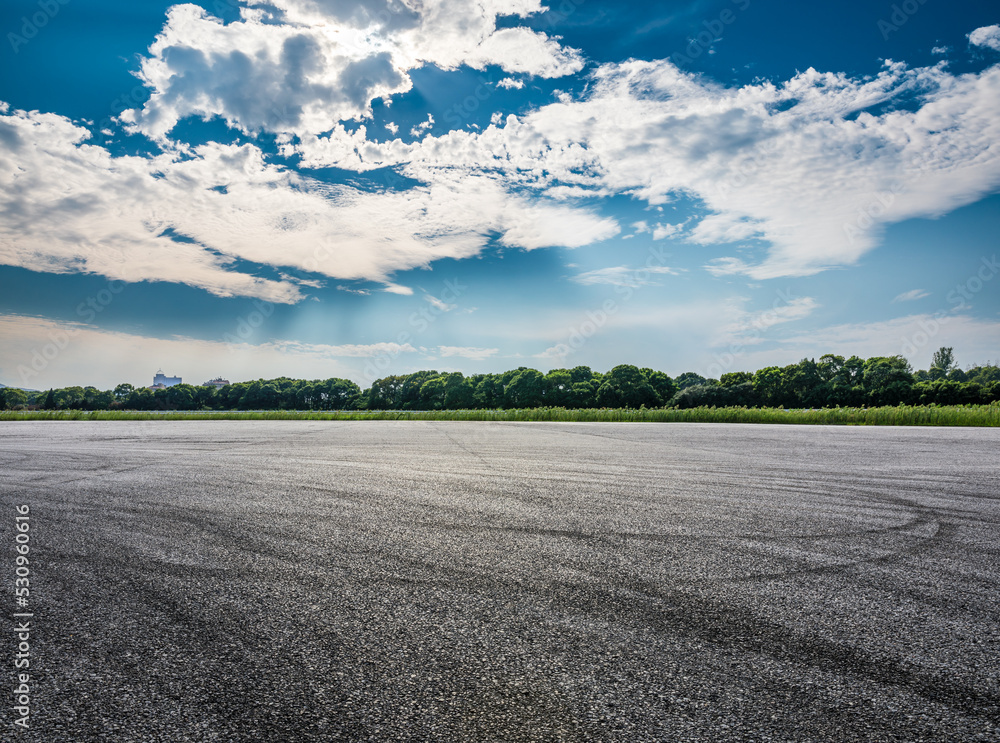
468,352
911,295
665,230
545,225
557,352
800,168
422,127
940,50
510,83
69,206
39,353
311,64
988,36
623,276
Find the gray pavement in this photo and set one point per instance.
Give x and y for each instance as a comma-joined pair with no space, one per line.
425,581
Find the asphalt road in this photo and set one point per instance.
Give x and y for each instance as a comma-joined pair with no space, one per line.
379,581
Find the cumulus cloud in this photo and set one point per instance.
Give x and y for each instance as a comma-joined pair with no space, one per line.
298,67
422,127
662,231
799,176
71,206
510,83
988,36
67,206
803,170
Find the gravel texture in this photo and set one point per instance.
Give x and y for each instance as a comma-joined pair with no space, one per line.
445,581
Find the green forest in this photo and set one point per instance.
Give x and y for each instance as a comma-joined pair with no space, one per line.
830,382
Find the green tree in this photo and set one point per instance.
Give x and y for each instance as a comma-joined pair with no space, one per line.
14,398
341,394
803,384
386,393
626,386
768,384
525,389
204,396
181,397
732,379
688,379
488,391
958,375
409,393
943,360
459,392
123,391
432,393
559,388
887,380
662,385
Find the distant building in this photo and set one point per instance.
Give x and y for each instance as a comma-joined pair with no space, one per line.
218,383
161,380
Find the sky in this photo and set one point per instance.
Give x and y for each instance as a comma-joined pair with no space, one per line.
359,188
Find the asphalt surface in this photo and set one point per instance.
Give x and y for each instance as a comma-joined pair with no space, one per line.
431,581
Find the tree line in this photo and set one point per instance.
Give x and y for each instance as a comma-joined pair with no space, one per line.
831,381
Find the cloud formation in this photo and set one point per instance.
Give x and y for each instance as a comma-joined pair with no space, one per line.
987,36
811,170
790,178
70,206
298,67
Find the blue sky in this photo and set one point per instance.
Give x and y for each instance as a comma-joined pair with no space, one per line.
355,188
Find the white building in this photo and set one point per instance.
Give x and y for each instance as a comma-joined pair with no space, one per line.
162,379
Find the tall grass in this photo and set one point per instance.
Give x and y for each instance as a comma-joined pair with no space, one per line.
931,415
